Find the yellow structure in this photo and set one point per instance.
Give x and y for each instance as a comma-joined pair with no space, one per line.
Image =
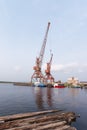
72,80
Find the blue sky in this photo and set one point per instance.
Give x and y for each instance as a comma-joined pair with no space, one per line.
22,28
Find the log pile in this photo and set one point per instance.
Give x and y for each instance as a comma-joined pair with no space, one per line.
43,120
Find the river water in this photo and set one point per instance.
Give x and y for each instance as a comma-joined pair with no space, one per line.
22,99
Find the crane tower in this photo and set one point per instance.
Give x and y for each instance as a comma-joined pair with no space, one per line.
37,75
48,75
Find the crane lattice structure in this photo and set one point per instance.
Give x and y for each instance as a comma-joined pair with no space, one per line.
48,76
37,75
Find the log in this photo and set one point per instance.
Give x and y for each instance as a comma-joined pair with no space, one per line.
44,120
25,115
40,126
68,117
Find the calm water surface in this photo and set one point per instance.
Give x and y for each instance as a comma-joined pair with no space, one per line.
21,99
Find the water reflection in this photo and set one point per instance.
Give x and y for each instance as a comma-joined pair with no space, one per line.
43,97
39,97
73,91
49,97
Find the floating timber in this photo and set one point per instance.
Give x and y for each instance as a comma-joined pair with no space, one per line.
43,120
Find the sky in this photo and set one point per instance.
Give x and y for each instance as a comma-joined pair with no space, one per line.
23,25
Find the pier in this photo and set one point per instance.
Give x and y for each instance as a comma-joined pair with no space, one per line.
42,120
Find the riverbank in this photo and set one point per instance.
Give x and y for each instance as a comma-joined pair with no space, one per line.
17,83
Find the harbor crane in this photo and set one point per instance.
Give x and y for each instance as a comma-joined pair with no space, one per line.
48,75
37,75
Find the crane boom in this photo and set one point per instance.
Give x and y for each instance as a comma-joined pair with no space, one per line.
51,59
43,45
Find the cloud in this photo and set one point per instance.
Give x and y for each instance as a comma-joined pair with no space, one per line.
63,67
17,68
68,68
85,65
80,71
56,67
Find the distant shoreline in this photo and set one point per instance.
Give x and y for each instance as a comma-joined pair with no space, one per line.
17,83
30,84
6,82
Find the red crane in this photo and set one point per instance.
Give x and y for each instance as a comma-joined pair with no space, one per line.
37,75
48,75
